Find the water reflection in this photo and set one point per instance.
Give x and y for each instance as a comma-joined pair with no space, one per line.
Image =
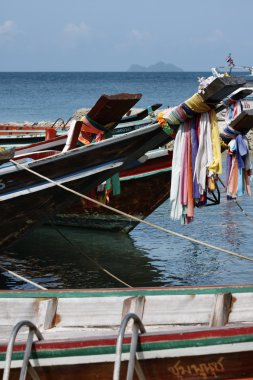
148,257
54,261
186,263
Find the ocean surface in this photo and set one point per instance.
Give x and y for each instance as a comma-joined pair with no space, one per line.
147,256
49,96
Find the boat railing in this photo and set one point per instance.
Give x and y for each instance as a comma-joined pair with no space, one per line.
133,364
28,347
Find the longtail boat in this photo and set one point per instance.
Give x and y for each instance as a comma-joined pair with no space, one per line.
28,199
138,333
21,134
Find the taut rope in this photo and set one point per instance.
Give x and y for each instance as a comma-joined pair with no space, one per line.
134,217
22,278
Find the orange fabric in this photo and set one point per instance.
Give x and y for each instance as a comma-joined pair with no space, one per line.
83,141
88,127
87,130
233,178
161,119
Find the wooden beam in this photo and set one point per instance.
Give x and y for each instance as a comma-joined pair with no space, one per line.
221,310
46,313
243,122
220,88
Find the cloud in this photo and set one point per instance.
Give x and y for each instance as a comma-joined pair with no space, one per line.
8,28
134,39
137,35
77,30
74,35
214,37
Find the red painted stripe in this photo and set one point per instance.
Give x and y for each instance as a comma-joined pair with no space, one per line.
203,334
51,143
151,165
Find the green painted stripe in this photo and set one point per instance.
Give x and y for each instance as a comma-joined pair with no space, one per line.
144,347
195,343
135,176
84,351
127,293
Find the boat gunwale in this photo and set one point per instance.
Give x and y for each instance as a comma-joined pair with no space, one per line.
119,292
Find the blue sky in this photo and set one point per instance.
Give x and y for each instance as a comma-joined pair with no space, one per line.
110,35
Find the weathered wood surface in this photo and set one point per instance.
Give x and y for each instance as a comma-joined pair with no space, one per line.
244,122
103,309
109,109
219,366
141,114
220,88
80,331
221,310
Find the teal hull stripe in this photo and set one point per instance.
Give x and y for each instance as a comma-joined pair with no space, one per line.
135,176
128,293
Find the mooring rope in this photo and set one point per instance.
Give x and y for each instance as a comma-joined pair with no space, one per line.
22,278
238,204
134,217
92,260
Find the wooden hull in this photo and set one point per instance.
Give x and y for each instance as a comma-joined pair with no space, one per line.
143,189
20,135
27,200
38,137
219,366
181,341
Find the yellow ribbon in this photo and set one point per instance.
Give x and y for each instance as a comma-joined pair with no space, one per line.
197,104
216,166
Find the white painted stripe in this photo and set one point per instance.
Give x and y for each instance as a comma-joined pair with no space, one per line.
9,167
68,178
196,351
43,144
157,153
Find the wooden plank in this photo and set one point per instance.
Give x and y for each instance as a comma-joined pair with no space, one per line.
243,122
178,310
237,96
93,311
221,310
220,88
41,311
241,308
109,109
14,310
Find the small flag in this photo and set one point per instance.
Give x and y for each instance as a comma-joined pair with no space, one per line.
229,60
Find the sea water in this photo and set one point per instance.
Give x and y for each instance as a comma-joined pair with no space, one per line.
58,257
49,96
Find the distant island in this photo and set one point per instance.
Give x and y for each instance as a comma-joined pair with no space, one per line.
157,67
